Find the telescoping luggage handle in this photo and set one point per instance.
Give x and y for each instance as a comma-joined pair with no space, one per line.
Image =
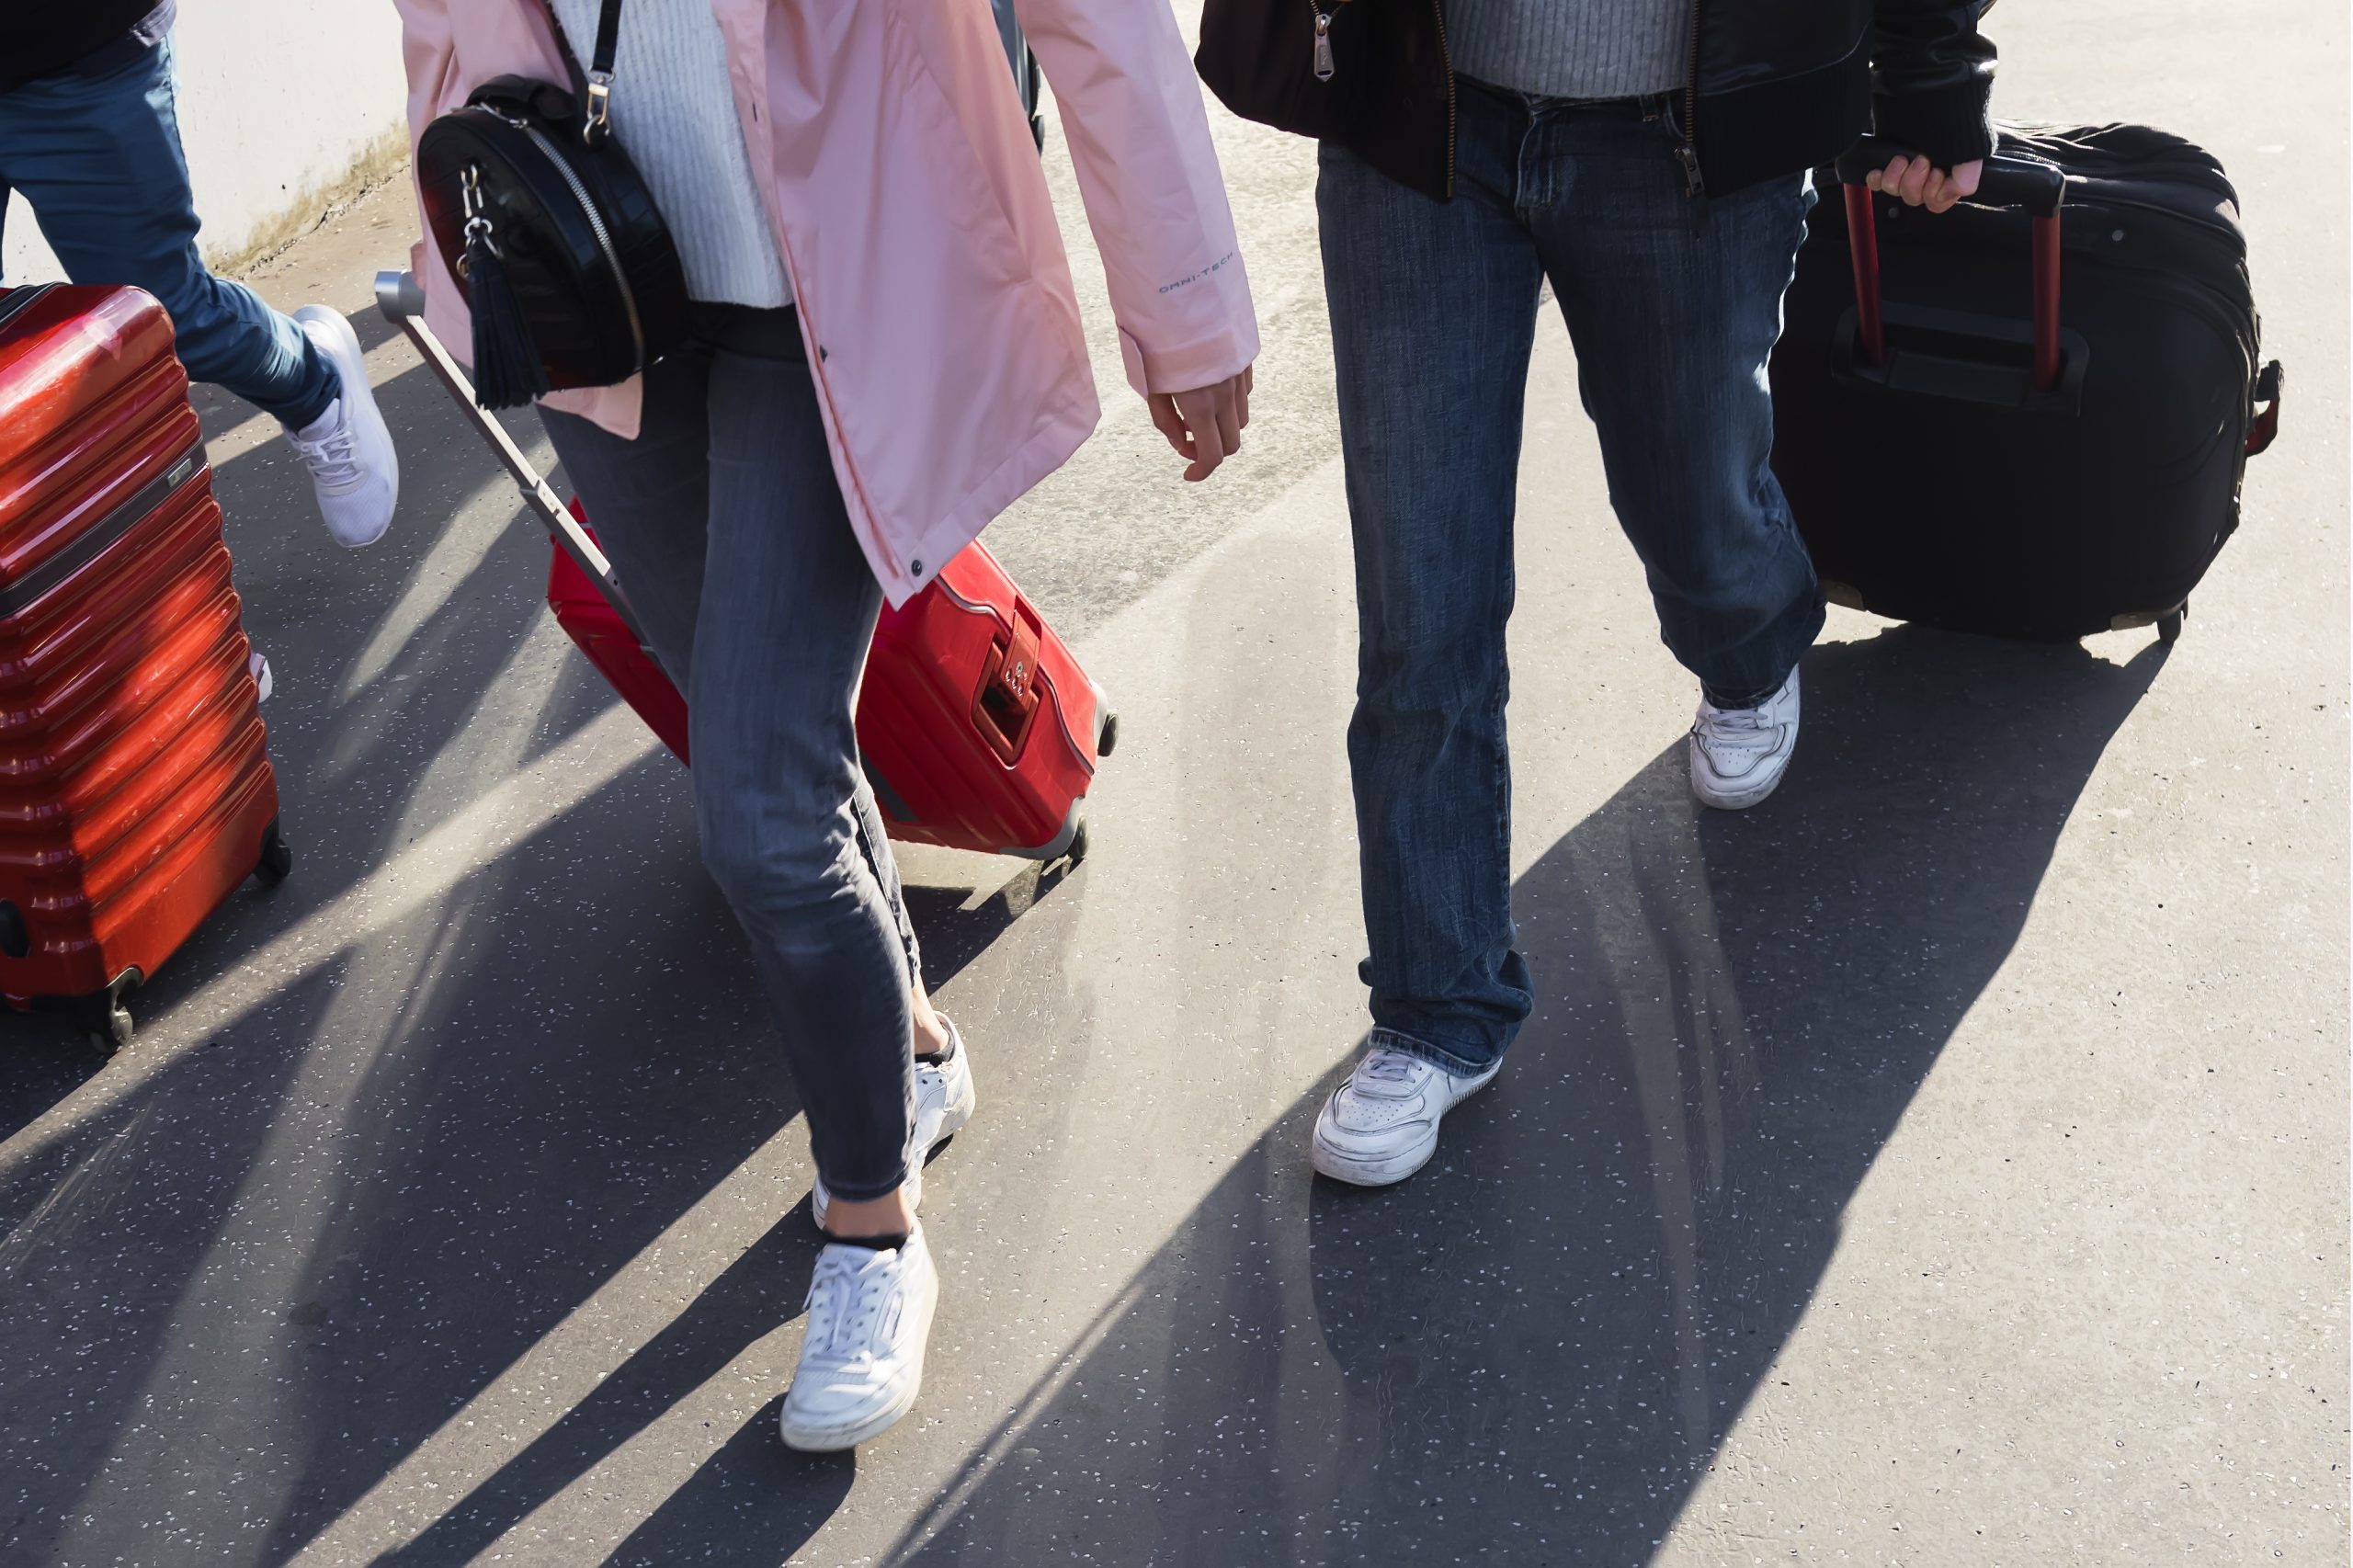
2030,183
402,300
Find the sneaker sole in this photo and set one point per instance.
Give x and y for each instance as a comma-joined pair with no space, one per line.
352,364
836,1440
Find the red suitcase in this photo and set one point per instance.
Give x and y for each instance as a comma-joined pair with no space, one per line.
600,632
977,726
135,786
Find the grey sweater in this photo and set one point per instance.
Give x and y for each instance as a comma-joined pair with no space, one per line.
1572,49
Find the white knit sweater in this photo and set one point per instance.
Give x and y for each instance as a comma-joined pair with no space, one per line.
674,109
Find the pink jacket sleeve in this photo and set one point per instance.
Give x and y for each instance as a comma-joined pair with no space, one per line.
429,53
1139,136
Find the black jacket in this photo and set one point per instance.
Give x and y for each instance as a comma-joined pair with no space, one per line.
1774,85
41,37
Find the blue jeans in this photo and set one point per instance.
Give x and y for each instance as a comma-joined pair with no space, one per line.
1673,308
98,158
727,527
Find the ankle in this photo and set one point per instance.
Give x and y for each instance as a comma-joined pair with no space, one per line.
889,1215
933,1038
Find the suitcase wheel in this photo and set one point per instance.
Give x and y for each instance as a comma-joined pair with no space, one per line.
2169,626
1107,736
276,860
1078,844
110,1026
115,1033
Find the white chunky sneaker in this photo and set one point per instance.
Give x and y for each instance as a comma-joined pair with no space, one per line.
1738,755
861,1356
1382,1125
348,449
943,1105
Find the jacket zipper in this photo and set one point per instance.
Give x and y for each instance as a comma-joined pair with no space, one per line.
596,227
1323,24
1687,153
1446,64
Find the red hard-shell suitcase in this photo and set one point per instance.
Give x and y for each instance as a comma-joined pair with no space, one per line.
135,786
977,726
968,659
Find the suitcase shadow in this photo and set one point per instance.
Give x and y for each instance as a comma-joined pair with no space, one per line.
954,929
1537,1346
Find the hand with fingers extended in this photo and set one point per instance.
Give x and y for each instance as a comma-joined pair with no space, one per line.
1921,184
1205,425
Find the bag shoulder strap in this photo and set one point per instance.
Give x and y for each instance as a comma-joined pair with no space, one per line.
600,73
592,88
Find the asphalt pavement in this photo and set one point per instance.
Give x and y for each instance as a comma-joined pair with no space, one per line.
1945,1164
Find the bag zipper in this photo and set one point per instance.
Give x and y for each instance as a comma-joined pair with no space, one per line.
595,224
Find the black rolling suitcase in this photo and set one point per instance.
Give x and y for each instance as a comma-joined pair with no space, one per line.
2028,416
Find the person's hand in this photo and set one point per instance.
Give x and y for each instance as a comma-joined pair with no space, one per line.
1922,184
1205,425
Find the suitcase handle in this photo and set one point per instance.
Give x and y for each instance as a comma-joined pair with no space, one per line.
402,300
1007,702
2033,183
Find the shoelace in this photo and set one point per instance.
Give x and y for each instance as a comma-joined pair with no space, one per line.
843,1300
1742,729
333,457
1392,1067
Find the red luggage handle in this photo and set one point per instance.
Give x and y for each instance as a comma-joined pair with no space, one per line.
2039,187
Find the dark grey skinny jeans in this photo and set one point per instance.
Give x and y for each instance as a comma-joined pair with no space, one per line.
725,525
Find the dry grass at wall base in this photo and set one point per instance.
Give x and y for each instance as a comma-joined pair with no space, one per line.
383,159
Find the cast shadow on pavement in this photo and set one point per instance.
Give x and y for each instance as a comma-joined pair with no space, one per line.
1533,1350
272,1262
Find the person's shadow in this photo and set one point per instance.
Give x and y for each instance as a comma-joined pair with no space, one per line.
1530,1351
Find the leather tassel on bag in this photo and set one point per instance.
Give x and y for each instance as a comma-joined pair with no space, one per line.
507,371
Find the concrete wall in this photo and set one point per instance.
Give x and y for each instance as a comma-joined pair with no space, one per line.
281,102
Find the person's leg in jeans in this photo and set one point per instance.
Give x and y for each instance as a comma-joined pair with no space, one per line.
727,527
1433,309
1675,307
98,159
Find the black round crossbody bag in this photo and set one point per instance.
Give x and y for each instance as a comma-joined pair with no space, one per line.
566,266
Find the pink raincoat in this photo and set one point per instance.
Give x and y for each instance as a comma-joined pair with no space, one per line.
888,142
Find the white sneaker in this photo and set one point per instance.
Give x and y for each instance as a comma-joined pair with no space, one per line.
1738,755
1382,1125
861,1356
347,448
943,1105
